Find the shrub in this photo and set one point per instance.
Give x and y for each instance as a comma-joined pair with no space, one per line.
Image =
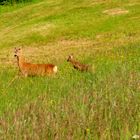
6,2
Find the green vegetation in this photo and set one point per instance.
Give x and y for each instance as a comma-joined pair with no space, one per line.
102,105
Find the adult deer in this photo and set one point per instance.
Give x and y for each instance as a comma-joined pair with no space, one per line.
29,69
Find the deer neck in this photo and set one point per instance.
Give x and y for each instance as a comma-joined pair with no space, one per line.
20,61
72,61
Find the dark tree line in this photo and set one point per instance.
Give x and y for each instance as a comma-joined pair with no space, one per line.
6,2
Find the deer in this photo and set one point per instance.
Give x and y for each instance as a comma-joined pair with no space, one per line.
29,69
77,65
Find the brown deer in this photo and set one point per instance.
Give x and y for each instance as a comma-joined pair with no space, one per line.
77,65
29,69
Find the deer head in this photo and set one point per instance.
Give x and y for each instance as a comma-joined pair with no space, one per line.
70,57
17,52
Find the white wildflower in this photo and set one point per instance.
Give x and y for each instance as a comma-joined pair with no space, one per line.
136,137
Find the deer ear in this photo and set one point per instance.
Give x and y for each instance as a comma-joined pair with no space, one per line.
71,55
15,49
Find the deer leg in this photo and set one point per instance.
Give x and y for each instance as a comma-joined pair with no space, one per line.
25,74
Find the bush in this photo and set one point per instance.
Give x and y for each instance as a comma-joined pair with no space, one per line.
6,2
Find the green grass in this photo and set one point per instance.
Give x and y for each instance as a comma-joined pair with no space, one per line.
71,105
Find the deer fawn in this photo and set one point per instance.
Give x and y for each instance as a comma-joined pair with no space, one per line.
28,69
77,65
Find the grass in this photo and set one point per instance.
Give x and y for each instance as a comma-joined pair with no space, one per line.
71,105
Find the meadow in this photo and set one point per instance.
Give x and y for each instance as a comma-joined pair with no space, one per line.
100,105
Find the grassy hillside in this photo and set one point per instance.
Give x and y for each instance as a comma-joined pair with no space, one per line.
102,105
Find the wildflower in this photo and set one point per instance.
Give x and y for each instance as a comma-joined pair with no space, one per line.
136,137
51,102
87,131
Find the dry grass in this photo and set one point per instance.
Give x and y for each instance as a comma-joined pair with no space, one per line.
61,49
115,11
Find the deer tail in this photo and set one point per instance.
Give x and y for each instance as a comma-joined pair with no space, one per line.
55,69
